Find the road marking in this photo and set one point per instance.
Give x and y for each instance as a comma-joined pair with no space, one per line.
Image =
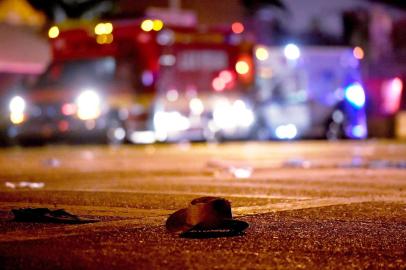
187,193
71,230
296,205
157,217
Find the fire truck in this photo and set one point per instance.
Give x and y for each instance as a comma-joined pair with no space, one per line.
205,80
138,80
98,85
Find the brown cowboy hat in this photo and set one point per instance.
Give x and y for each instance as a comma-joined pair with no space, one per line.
205,214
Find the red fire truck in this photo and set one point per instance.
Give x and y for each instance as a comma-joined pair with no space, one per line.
203,88
94,86
137,80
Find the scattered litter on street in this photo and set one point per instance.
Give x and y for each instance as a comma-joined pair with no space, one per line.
225,170
24,184
45,215
205,217
356,162
230,169
52,162
380,164
214,164
374,164
297,163
10,185
241,172
399,164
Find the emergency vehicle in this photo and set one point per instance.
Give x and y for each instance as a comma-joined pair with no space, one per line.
309,92
99,85
141,81
205,80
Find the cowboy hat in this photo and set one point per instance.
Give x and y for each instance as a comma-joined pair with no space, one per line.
205,214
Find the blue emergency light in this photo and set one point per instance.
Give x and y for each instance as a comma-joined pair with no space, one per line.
355,95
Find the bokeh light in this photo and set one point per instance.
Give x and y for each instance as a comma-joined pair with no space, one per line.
261,54
157,25
103,28
218,84
242,67
104,39
291,51
147,25
226,75
358,53
237,27
196,106
53,32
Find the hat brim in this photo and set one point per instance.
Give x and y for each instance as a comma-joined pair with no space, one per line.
176,223
232,225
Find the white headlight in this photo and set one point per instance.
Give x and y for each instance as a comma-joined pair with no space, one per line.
243,115
165,122
231,116
288,131
88,104
196,106
291,51
17,107
222,114
17,104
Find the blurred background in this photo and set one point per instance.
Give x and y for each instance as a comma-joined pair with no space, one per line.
143,72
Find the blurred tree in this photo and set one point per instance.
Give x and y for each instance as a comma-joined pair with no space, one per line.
253,5
396,3
58,10
355,24
20,12
264,20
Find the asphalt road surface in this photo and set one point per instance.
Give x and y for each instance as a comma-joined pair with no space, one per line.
311,205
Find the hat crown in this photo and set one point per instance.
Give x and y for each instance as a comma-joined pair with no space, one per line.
208,211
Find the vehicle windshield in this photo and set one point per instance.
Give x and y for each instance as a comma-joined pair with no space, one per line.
100,70
78,71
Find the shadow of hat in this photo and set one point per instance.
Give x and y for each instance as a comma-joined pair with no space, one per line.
205,214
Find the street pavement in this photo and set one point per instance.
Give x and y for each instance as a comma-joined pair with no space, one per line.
310,205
